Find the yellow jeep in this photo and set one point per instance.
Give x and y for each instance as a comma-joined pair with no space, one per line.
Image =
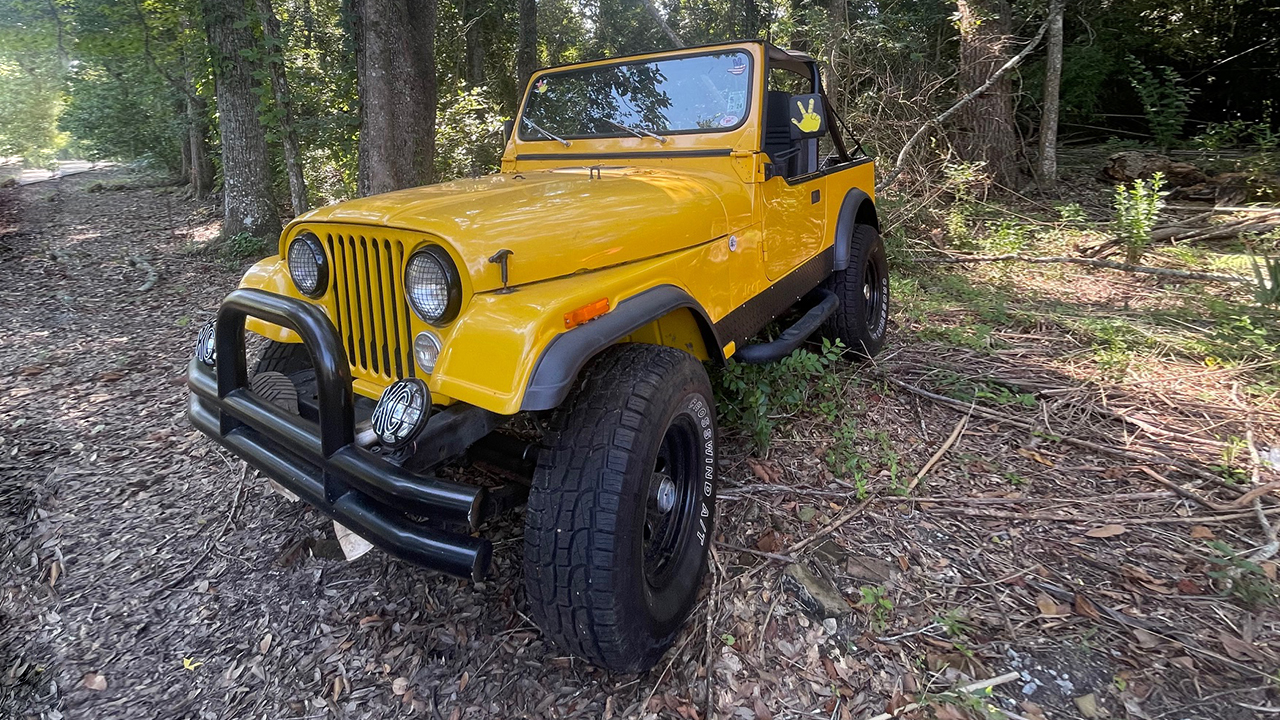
653,213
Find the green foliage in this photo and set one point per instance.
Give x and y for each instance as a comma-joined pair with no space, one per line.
754,397
468,136
1165,100
1136,209
1266,273
875,602
245,246
968,389
1245,580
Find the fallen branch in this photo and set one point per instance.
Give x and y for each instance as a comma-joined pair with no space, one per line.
1013,62
965,690
938,455
1135,456
1184,492
1092,262
152,276
1050,517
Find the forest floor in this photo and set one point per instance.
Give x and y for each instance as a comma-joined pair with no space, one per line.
1052,477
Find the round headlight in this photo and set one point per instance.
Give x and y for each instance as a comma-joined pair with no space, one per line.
431,285
307,266
402,412
426,349
206,349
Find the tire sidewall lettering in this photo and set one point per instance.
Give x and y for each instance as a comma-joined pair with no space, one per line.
700,408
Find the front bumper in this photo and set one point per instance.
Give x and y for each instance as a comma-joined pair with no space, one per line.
319,461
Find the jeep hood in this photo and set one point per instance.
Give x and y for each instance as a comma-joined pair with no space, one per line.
556,222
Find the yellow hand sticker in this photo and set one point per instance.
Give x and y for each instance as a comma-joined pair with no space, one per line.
811,122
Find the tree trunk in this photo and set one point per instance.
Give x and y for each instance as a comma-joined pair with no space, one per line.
986,132
656,14
395,73
527,48
246,178
473,55
280,89
1052,87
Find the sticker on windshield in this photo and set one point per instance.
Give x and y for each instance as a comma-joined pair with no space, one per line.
739,65
729,120
735,101
540,86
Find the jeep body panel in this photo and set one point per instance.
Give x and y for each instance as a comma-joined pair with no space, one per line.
604,218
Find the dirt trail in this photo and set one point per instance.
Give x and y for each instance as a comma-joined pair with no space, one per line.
149,575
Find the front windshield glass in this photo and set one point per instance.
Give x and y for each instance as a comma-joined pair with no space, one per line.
698,93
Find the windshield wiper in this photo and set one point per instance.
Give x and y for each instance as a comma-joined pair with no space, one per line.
638,132
557,138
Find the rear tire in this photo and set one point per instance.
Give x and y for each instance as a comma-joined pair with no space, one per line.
862,320
619,516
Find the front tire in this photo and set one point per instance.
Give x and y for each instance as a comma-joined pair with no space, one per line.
620,513
862,320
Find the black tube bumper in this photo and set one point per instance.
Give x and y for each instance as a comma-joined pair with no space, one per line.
320,462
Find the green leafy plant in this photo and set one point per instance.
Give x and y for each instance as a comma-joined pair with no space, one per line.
1165,100
754,397
244,246
877,604
1245,580
1136,209
1266,273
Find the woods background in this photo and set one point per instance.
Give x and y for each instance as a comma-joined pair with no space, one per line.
294,103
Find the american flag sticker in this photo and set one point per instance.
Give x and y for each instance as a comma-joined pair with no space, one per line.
739,66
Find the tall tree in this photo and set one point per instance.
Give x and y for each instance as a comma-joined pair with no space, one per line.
284,105
527,45
473,54
1052,92
985,127
395,66
248,205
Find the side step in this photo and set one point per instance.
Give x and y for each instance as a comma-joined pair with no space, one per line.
794,336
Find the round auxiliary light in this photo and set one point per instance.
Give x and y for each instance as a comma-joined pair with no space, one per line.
307,265
432,286
206,348
402,412
426,350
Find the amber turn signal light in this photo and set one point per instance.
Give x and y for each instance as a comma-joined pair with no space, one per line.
590,311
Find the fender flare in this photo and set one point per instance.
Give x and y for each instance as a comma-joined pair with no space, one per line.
857,209
557,369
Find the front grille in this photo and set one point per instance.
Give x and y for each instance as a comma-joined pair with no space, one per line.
370,309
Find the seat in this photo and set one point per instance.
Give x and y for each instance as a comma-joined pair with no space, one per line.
778,145
791,158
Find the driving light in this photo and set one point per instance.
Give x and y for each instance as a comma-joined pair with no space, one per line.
206,349
431,285
426,349
402,412
307,265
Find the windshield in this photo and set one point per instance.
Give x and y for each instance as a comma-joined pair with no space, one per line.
698,93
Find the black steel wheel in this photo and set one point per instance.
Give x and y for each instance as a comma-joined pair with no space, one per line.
621,508
862,321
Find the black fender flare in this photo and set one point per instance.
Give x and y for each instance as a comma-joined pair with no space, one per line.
857,208
557,369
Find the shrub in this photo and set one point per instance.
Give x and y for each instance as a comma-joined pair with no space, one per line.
1136,209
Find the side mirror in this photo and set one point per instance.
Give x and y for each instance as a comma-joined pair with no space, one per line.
508,128
808,116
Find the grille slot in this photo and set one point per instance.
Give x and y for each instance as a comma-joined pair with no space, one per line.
371,313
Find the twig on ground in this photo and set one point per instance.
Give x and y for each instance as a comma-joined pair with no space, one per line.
1005,515
938,455
758,553
710,709
1184,492
1267,551
830,527
1091,262
967,689
1137,456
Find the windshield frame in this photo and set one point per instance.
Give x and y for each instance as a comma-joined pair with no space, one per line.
524,134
